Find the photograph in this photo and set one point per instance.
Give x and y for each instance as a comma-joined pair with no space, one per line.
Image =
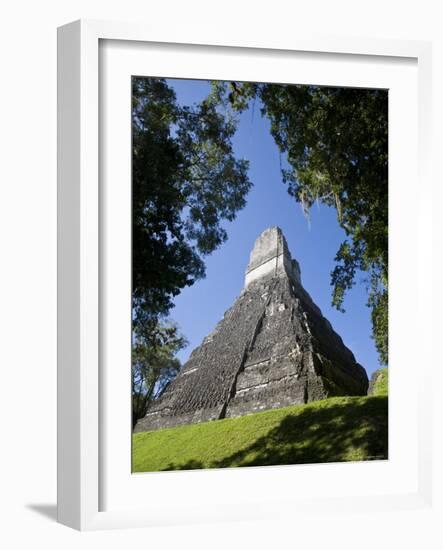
222,225
259,274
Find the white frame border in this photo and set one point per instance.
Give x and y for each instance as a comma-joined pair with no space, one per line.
78,260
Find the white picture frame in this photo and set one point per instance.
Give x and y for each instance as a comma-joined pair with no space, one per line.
81,413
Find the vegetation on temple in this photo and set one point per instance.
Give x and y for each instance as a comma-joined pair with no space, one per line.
379,382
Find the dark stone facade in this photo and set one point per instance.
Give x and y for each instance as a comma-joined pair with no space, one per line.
272,348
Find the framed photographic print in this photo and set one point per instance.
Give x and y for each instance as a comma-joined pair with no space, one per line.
238,237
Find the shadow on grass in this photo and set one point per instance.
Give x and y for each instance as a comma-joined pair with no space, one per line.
356,430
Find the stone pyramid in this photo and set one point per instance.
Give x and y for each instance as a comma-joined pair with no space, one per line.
272,348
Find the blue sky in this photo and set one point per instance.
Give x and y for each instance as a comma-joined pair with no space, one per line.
313,243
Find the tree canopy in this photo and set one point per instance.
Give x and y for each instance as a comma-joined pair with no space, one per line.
186,181
335,147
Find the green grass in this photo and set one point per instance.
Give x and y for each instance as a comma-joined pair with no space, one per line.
333,430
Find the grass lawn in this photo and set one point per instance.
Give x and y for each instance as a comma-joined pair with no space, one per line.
333,430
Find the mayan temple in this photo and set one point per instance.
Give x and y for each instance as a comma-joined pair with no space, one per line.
272,348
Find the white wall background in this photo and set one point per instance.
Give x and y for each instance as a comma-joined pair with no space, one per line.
28,267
